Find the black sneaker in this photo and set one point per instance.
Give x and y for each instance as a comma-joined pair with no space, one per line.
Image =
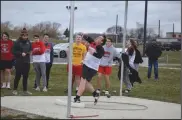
107,94
96,96
77,100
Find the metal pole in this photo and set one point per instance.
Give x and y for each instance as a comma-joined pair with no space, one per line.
145,27
70,59
159,30
124,41
116,28
69,29
69,7
173,30
181,52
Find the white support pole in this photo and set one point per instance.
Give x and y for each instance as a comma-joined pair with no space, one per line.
70,59
124,41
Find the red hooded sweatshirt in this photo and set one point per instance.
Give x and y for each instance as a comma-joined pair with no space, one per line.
6,50
38,48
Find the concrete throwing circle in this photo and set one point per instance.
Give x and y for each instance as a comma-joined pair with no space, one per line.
103,105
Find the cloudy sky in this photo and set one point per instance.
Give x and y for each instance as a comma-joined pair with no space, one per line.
93,16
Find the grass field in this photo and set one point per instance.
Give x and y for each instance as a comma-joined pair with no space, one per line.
174,57
166,89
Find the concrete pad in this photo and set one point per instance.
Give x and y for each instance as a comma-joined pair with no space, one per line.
107,108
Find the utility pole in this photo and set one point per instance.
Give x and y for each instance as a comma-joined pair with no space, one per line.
116,28
159,31
145,27
173,29
72,9
69,9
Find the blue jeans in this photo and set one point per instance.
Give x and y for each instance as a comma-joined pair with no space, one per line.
150,64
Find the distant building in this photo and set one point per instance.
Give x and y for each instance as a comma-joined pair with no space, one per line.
166,40
175,35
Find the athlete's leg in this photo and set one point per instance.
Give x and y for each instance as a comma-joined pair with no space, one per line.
99,79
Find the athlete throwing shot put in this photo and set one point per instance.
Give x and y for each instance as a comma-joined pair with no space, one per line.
90,66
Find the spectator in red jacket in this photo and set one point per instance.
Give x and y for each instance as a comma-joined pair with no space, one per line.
6,60
39,62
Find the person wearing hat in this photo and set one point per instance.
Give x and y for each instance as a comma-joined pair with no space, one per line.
21,50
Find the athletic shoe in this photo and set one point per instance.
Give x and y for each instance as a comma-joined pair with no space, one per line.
96,96
126,91
26,93
37,89
4,85
8,86
77,100
107,94
15,92
44,89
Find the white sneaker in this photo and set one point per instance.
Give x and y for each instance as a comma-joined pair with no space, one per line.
37,89
44,89
4,85
8,85
106,92
15,92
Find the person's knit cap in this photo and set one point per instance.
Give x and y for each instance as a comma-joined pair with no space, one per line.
24,32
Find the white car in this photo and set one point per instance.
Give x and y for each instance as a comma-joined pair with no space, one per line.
60,50
119,52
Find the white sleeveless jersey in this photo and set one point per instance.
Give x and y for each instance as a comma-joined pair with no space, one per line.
91,61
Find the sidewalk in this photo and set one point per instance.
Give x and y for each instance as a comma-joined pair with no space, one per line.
107,108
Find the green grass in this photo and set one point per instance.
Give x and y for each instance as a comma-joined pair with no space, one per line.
174,57
166,89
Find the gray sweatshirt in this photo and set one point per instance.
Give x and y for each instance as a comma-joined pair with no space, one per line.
109,54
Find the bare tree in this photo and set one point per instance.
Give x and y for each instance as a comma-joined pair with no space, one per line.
132,33
112,29
40,28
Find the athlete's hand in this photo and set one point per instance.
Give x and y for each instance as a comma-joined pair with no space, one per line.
23,54
82,62
90,51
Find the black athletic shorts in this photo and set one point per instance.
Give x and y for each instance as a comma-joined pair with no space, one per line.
88,73
5,64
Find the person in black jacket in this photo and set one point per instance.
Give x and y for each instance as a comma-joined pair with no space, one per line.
153,51
131,59
21,51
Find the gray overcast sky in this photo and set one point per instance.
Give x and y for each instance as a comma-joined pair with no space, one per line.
93,16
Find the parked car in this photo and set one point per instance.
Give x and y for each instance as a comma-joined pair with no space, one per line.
119,51
175,46
166,46
60,50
